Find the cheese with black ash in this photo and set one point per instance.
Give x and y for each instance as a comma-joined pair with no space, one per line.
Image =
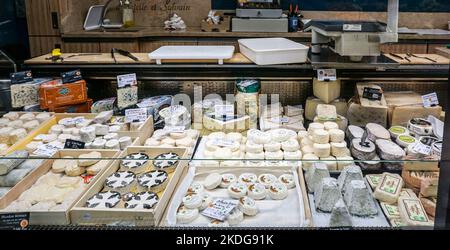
167,162
154,181
326,194
120,182
315,174
108,199
340,217
143,200
135,162
359,199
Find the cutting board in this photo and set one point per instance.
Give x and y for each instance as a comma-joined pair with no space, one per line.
414,60
219,53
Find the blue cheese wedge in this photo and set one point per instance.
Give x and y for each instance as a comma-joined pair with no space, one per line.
389,188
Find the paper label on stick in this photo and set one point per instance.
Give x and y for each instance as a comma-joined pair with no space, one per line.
126,80
135,115
430,100
220,209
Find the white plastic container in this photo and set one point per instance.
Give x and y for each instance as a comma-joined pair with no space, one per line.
218,53
267,51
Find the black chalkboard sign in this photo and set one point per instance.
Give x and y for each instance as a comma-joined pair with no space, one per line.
72,144
14,221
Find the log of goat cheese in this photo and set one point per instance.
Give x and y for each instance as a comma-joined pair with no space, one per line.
327,194
315,174
11,161
13,177
359,200
349,174
364,152
388,150
376,131
340,217
389,188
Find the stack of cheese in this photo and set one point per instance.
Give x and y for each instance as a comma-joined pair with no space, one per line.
275,116
377,145
271,148
60,187
348,195
400,205
16,126
204,107
325,142
326,93
328,113
97,133
166,139
14,167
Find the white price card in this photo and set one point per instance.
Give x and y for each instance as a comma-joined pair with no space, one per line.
279,119
224,110
46,150
422,148
351,27
220,209
326,75
430,100
135,115
126,80
174,129
222,142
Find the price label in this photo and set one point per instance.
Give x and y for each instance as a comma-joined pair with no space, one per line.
422,148
372,93
174,129
430,100
352,27
73,144
14,221
126,80
223,142
46,150
21,77
326,75
224,110
280,119
71,76
220,209
135,115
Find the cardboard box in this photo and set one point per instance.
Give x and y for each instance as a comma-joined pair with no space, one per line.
82,215
55,94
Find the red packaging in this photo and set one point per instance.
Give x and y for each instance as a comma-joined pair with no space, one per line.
54,94
76,108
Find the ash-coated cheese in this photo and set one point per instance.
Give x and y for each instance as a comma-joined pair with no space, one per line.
349,174
315,174
359,200
87,134
365,152
376,131
389,188
372,164
322,150
112,144
340,217
389,150
412,212
326,194
101,130
321,136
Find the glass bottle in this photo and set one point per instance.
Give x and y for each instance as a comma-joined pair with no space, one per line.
127,14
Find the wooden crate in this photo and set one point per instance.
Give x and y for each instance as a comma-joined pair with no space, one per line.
82,215
52,217
16,145
301,180
143,133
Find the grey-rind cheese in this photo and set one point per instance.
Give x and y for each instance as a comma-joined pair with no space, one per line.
349,174
359,200
354,132
315,174
13,177
327,194
388,150
372,164
363,152
11,161
376,131
340,217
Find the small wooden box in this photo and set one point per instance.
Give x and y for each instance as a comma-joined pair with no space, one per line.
223,26
52,217
54,94
75,108
82,215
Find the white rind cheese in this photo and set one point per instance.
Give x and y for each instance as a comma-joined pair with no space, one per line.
322,150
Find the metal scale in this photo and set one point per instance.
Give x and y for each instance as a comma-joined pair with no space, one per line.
354,39
259,16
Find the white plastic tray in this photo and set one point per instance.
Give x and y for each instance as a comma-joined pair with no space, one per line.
219,53
267,51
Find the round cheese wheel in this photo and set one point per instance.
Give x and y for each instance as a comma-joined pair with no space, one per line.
98,144
302,134
322,150
27,117
101,129
294,155
308,149
124,142
272,146
111,136
290,145
321,136
308,160
253,147
42,117
313,126
336,135
254,156
376,131
67,122
57,129
152,142
339,149
49,138
281,135
306,142
168,141
63,137
362,152
112,144
395,131
31,125
405,140
16,124
223,153
330,125
278,155
258,137
330,162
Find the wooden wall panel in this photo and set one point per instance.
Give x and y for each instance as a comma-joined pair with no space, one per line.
149,46
432,47
404,48
40,45
77,47
132,46
39,17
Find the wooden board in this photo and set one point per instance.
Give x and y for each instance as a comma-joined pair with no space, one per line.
443,51
105,58
52,217
39,17
82,215
414,60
